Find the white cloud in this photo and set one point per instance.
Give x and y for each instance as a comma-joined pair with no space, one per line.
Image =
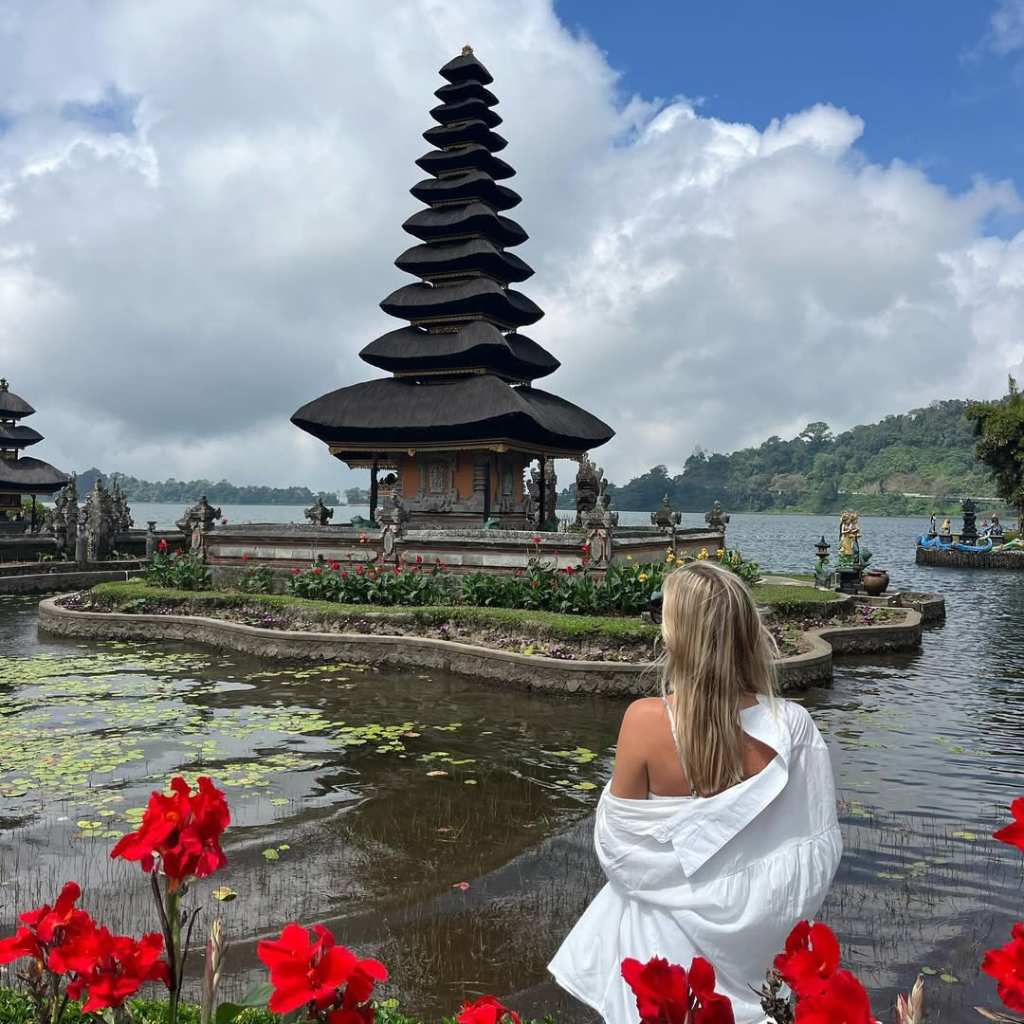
1007,27
169,297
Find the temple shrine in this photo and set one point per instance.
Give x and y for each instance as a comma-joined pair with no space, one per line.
21,475
459,421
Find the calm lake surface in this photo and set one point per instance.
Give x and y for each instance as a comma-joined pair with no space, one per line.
338,819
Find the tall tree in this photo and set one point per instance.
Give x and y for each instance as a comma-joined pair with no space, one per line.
999,427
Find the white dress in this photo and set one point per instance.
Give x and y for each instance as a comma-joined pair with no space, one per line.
725,877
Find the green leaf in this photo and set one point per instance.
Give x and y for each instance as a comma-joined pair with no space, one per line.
969,837
227,1012
949,979
930,971
271,854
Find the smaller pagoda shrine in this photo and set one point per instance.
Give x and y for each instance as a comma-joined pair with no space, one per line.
459,421
21,475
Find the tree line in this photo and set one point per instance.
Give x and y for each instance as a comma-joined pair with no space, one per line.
913,463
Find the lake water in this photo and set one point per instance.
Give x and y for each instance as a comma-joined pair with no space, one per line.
329,769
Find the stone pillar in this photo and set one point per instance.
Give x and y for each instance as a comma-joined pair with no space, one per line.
151,538
81,545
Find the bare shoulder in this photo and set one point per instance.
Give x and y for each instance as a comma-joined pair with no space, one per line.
640,713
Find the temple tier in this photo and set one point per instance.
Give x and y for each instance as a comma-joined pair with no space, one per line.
21,474
459,421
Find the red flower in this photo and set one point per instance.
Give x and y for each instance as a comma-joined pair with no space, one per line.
360,569
245,557
335,566
535,539
111,968
840,999
1014,832
419,559
811,956
535,584
661,990
47,927
398,570
585,548
344,575
710,1007
317,570
178,552
182,829
295,572
162,546
486,1010
1006,964
305,971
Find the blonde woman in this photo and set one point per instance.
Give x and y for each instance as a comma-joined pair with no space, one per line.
718,830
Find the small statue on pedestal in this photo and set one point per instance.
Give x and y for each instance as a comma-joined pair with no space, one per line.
664,517
122,513
318,513
589,478
969,531
99,523
716,519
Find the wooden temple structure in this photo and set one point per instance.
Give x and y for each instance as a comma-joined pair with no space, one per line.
21,475
458,422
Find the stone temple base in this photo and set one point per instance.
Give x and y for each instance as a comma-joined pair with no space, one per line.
232,549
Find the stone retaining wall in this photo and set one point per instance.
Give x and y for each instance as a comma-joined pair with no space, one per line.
503,667
954,559
48,582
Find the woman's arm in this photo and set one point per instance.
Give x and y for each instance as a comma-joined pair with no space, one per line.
629,779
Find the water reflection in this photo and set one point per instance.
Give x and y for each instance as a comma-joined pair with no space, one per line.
331,771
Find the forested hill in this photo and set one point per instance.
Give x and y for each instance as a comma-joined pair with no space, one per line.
918,462
219,492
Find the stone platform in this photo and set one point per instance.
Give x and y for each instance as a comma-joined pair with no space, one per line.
954,559
283,547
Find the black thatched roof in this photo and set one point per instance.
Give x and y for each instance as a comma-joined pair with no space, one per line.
18,436
401,413
12,406
460,361
30,476
412,350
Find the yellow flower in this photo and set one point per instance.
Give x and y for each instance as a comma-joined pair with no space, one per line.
703,554
642,577
720,554
670,558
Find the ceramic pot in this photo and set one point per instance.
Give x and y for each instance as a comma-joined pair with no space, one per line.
875,582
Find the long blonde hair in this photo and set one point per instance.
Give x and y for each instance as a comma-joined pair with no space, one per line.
716,652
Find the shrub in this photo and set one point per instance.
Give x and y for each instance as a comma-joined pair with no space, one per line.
177,570
257,581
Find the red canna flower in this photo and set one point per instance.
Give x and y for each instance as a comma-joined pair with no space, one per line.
111,968
335,566
178,552
296,572
709,1006
344,575
46,928
1006,965
360,569
1013,834
585,548
811,956
419,559
183,830
304,970
162,546
535,539
839,999
486,1010
317,570
661,990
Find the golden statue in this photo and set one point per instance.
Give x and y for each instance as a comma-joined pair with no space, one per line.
849,534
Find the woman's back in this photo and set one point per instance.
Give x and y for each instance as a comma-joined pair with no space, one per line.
718,830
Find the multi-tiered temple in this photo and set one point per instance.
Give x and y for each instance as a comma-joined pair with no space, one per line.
21,475
459,421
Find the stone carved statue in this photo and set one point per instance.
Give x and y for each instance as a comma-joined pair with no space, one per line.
202,513
589,478
849,537
969,531
550,498
664,517
716,519
123,521
318,513
100,523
